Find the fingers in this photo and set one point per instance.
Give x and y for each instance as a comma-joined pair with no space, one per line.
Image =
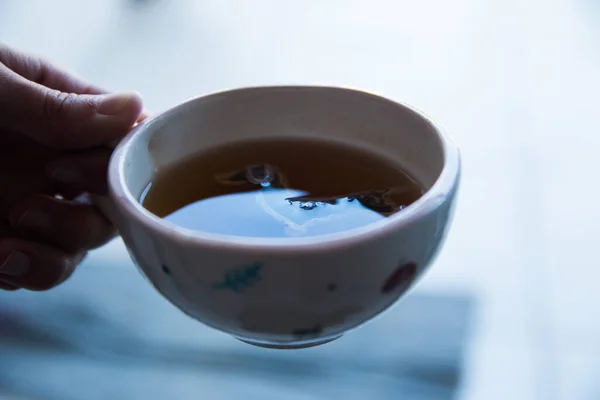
83,172
65,120
39,70
68,225
34,266
61,118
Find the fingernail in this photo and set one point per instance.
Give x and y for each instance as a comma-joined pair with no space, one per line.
145,115
65,174
32,220
114,104
16,264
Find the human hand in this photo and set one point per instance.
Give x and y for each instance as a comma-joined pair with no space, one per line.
54,129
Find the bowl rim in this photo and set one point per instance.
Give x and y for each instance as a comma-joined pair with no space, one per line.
440,192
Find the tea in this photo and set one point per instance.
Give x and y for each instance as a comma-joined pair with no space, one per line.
280,188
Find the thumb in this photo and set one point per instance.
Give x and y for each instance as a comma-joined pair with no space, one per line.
62,119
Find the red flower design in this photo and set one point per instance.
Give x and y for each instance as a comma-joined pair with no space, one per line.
401,278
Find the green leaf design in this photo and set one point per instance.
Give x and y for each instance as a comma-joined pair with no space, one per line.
239,279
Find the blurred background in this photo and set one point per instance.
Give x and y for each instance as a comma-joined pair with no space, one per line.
506,312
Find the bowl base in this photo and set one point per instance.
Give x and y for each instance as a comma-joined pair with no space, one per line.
289,346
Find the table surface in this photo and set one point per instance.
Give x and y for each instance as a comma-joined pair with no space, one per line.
513,81
107,334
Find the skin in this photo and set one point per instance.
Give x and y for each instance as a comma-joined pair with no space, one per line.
55,129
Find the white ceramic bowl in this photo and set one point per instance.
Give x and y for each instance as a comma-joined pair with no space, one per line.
292,292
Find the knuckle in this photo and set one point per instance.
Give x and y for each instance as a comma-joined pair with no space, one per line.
57,102
63,114
88,105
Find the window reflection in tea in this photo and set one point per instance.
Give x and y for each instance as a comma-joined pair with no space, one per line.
280,188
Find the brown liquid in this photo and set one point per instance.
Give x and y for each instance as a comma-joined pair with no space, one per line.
280,188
